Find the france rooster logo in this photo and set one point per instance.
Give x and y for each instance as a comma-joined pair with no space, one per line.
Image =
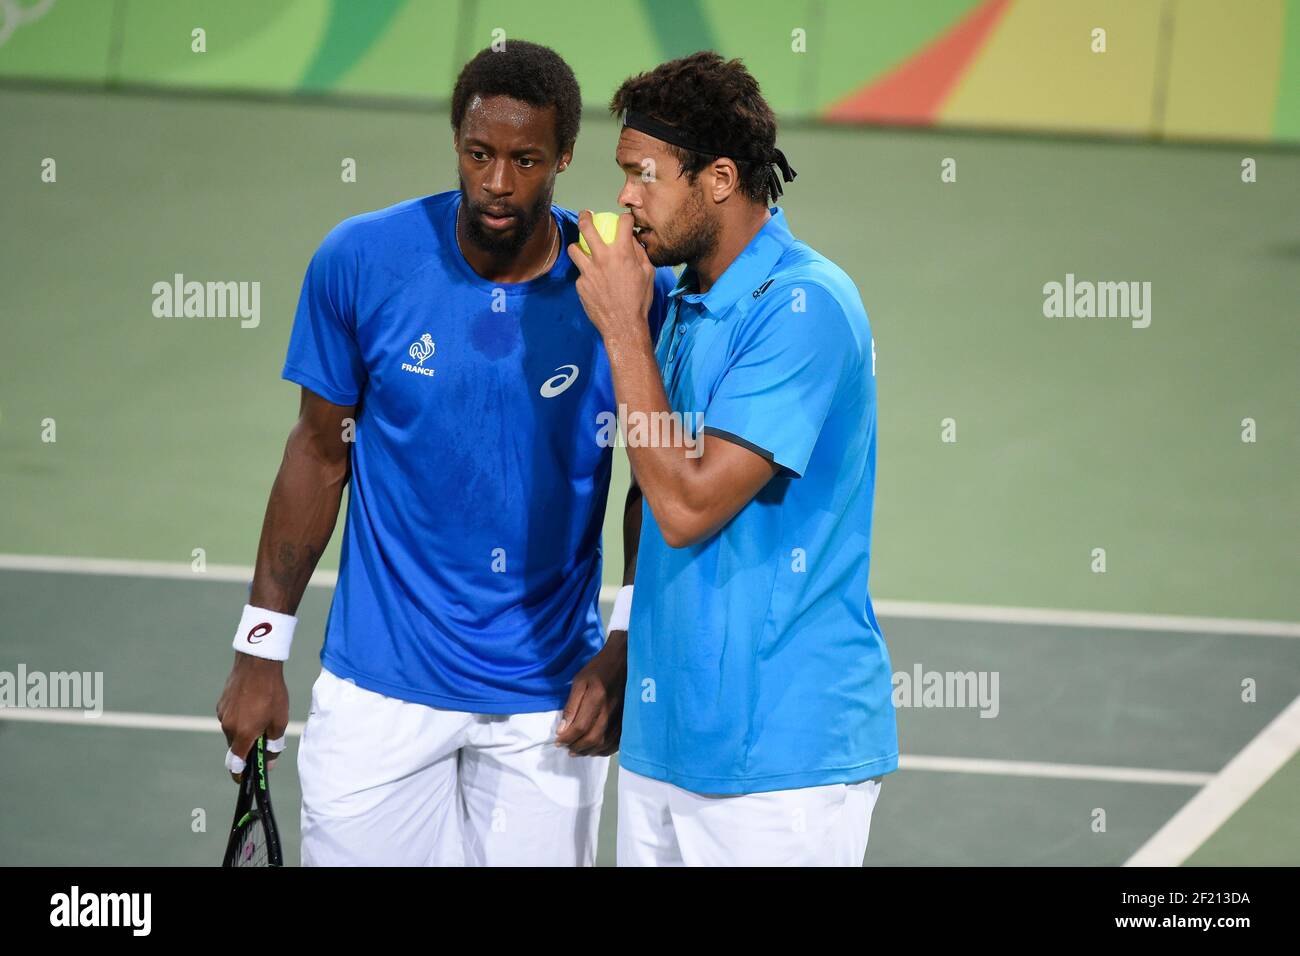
422,349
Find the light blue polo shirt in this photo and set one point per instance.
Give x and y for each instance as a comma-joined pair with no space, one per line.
755,661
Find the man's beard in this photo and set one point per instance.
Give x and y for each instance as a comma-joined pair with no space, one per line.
694,236
502,246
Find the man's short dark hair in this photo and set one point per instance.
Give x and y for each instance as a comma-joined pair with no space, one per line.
522,71
715,101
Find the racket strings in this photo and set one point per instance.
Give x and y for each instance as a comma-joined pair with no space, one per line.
250,846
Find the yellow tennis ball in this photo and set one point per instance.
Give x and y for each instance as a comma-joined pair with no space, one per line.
606,224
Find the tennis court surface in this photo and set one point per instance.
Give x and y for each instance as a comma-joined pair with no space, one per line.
1148,712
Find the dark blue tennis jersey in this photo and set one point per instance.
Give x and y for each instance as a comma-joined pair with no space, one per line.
471,563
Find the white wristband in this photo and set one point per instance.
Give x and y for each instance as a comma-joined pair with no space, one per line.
622,613
264,633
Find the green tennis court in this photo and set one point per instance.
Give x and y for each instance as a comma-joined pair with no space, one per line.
1071,435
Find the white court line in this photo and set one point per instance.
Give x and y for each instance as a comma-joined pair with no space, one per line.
1054,771
121,718
144,569
1189,828
885,608
997,768
1108,620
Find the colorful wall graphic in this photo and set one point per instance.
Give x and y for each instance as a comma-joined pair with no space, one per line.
1180,69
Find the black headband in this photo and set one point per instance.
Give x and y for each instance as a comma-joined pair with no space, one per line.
675,136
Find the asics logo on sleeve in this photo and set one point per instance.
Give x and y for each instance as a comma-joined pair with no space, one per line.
557,383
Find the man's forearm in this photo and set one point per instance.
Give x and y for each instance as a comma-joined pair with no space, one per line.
691,491
300,517
663,470
694,485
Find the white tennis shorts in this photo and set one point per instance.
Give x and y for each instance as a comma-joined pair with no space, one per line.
387,782
663,825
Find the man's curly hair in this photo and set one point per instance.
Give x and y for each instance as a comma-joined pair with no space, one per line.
523,71
719,104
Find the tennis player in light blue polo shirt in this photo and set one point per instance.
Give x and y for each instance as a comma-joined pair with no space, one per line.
758,720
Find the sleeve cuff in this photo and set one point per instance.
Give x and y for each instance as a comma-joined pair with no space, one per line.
786,470
327,392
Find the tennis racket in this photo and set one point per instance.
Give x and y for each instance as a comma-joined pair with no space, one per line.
254,837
